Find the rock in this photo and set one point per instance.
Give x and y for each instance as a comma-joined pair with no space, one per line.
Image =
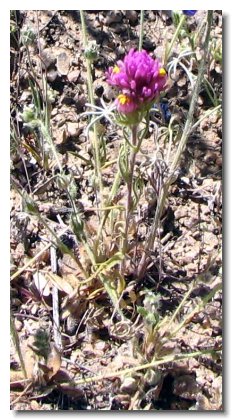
54,112
218,30
80,101
25,96
182,81
73,76
34,309
120,50
35,406
219,161
101,345
149,45
42,43
109,92
63,63
18,325
73,129
52,75
181,212
118,28
185,179
67,99
192,255
48,58
99,89
113,16
132,16
129,385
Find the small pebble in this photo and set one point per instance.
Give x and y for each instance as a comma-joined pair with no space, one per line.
25,96
48,58
52,75
34,309
63,63
113,16
132,16
18,325
73,129
129,385
73,76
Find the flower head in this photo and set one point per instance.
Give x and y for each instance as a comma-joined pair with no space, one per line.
139,79
125,104
189,12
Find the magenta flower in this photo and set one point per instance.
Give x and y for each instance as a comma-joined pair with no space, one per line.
139,80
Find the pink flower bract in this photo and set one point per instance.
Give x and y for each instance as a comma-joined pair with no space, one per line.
139,79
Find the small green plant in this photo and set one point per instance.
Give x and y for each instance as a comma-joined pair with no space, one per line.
131,112
216,50
28,36
149,310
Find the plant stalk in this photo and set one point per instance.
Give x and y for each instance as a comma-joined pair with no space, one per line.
17,345
169,49
95,142
141,29
129,201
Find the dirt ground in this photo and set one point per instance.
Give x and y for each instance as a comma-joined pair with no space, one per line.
190,232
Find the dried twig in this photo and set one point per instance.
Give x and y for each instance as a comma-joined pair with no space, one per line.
55,301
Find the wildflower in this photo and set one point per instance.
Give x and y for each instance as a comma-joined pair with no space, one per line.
165,111
189,12
163,108
125,104
139,79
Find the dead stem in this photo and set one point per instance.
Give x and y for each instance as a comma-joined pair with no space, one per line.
150,365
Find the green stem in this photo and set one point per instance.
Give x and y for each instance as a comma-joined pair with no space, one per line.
195,94
47,136
206,115
17,345
113,193
88,62
141,29
199,308
210,92
177,311
129,202
95,142
30,63
170,46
